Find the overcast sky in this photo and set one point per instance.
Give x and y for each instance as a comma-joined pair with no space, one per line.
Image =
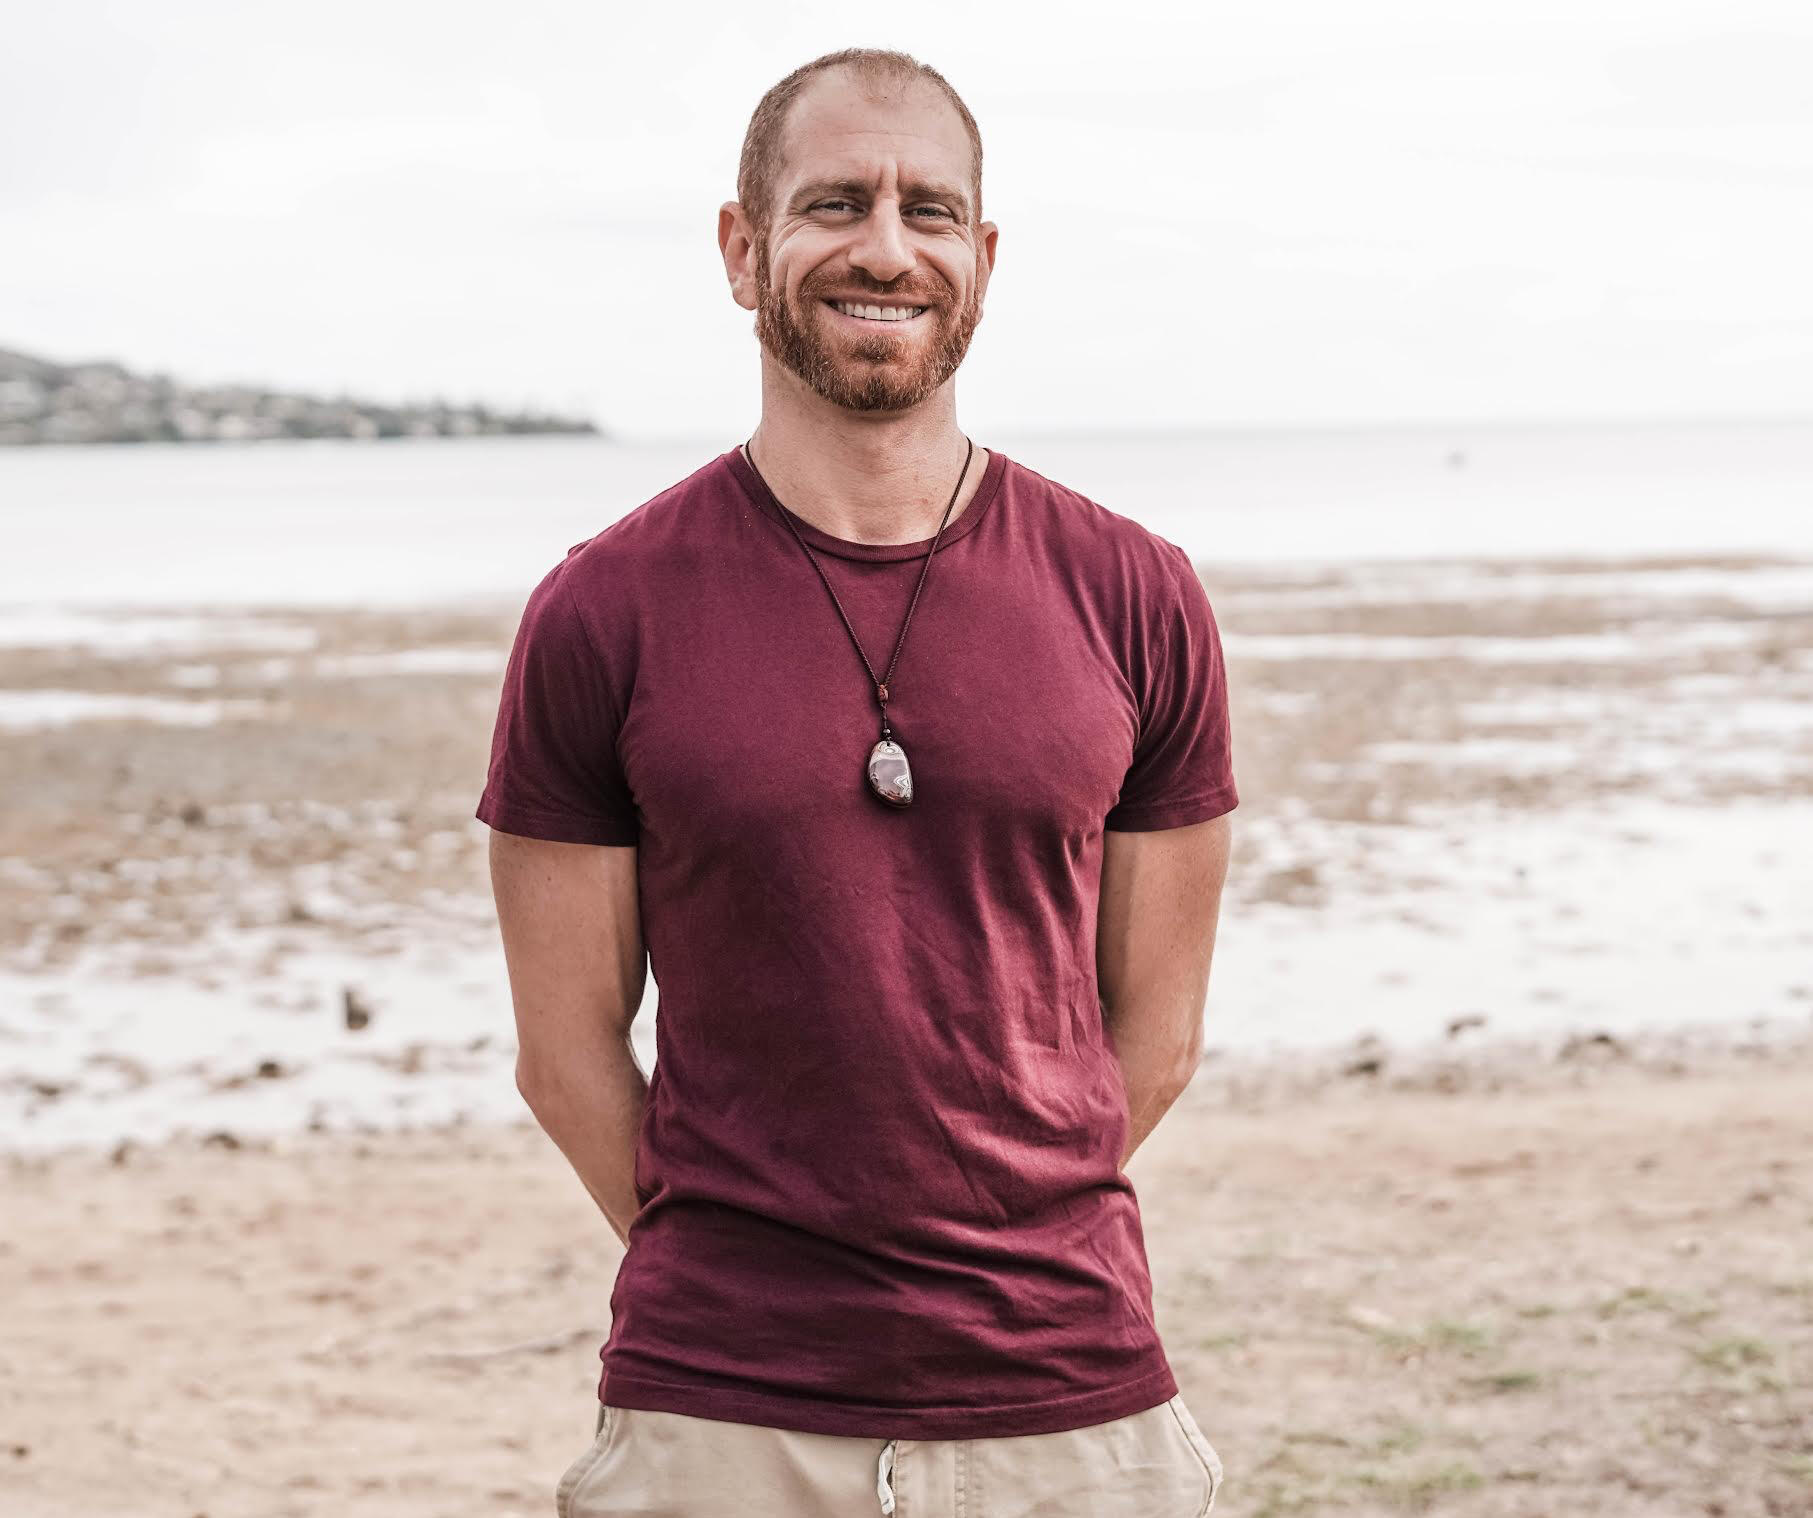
1296,212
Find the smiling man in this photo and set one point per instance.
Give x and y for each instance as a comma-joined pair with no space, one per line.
906,770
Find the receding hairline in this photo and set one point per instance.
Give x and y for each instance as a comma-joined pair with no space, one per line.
879,73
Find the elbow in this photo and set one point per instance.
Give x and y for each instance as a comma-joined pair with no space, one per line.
554,1080
549,1095
526,1086
1188,1063
533,1084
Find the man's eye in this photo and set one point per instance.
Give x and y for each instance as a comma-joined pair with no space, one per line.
831,205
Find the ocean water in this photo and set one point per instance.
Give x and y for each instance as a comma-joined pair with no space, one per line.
408,522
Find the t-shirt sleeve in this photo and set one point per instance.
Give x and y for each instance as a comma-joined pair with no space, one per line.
1183,764
555,771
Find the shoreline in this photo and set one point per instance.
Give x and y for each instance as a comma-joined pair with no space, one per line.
1466,1062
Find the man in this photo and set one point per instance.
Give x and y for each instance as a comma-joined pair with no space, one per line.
908,770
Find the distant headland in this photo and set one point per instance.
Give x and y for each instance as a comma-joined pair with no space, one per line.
104,402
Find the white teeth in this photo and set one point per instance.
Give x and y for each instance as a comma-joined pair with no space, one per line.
879,313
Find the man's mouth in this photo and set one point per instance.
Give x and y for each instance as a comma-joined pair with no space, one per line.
878,314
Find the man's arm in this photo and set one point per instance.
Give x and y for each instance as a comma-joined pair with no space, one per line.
572,934
1155,936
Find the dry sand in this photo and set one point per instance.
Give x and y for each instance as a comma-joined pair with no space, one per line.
1495,1282
1492,1285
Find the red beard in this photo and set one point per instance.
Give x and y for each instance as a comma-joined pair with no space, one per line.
884,371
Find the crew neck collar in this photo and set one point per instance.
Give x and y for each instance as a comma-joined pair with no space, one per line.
759,493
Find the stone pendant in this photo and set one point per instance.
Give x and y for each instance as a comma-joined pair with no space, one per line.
890,776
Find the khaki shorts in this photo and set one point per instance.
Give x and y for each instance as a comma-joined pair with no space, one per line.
1151,1464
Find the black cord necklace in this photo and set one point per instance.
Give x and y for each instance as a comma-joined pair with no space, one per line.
890,776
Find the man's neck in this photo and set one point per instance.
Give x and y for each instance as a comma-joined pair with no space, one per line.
867,479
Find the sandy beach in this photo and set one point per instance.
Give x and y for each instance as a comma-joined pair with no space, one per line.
1489,1239
1497,1284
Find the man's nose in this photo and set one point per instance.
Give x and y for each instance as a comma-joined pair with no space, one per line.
881,249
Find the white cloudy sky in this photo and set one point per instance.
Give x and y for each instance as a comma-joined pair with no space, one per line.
1211,214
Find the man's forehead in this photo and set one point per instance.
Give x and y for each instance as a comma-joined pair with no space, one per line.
838,99
840,130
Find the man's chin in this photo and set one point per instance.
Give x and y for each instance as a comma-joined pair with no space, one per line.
860,391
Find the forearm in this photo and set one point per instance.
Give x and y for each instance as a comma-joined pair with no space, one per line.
592,1109
1154,1071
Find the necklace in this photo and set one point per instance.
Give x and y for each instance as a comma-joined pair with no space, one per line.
890,776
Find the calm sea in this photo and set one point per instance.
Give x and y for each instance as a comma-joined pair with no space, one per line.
418,521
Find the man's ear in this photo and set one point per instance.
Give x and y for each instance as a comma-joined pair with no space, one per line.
736,243
989,235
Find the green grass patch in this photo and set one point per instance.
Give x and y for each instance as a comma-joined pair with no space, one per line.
1634,1299
1733,1353
1639,1299
1420,1490
1455,1476
1320,1436
1448,1333
1438,1334
1400,1440
1501,1382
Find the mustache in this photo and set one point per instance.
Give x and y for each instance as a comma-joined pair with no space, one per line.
852,290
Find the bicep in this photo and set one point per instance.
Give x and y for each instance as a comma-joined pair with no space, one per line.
1160,901
571,924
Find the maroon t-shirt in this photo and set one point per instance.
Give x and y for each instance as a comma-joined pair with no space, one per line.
879,1163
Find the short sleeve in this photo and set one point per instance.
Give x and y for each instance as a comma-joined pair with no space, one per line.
555,771
1183,764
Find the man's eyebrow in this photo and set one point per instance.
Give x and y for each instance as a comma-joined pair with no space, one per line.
913,189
